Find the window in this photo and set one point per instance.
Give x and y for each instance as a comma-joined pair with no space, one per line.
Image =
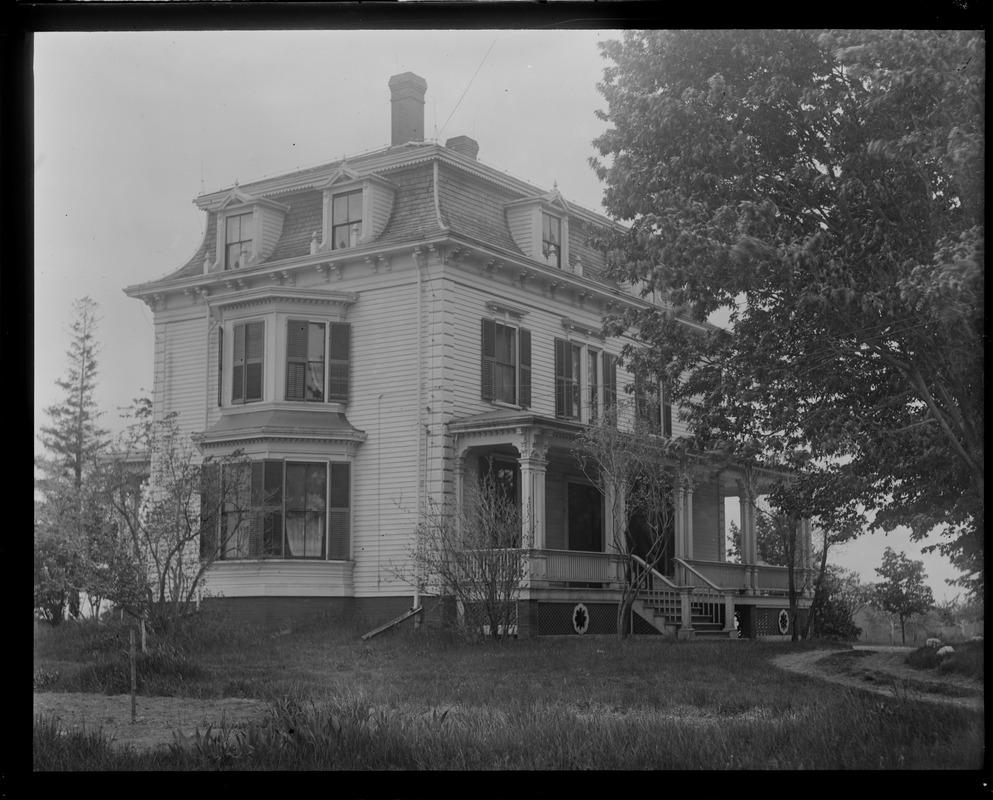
310,376
238,238
246,370
506,363
276,509
551,240
568,377
583,372
652,405
346,219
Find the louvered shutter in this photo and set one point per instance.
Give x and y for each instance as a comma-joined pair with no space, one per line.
296,359
609,380
210,477
339,513
338,361
525,368
488,358
254,336
220,366
563,378
666,410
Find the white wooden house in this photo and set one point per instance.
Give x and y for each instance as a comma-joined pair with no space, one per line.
367,331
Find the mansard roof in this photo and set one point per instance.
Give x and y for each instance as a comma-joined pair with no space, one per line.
471,202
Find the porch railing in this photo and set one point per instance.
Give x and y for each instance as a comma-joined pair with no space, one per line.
577,566
658,591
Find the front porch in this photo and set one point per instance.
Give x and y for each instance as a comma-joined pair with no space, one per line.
574,560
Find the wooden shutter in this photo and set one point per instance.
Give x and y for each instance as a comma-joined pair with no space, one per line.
563,378
666,410
609,381
296,359
210,477
338,361
254,336
488,358
524,354
220,366
339,513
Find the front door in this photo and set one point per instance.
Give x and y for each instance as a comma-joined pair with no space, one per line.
585,521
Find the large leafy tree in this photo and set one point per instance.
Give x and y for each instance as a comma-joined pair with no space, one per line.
70,523
825,190
903,590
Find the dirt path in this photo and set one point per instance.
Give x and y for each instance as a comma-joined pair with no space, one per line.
883,670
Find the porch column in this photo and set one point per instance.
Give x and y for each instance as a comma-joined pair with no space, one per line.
533,448
679,545
689,520
748,554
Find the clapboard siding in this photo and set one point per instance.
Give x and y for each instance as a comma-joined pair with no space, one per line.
180,370
708,536
384,404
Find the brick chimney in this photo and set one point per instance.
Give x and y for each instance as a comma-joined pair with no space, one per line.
407,96
465,145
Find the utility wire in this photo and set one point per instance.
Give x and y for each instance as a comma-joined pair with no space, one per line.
466,90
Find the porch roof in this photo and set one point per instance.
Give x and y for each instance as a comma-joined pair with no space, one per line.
510,418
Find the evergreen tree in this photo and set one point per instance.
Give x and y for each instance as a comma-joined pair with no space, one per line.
69,521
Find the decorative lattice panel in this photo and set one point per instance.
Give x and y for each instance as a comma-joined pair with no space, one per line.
476,617
771,622
572,619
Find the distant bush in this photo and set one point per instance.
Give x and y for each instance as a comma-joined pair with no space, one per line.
967,660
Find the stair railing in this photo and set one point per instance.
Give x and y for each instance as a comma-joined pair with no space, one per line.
657,590
708,598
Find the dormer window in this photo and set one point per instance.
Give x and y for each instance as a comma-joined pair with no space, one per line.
539,225
248,229
356,208
551,240
238,240
346,219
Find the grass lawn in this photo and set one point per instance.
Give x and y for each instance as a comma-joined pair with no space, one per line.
423,700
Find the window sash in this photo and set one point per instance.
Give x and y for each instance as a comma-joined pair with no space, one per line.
237,237
551,240
346,219
246,368
505,363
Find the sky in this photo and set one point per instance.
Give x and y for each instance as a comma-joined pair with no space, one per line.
129,127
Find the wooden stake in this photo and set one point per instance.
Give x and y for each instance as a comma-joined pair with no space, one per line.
144,643
134,677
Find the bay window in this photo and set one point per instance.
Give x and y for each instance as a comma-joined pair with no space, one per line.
277,509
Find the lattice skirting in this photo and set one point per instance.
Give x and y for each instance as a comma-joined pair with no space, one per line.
576,619
775,621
